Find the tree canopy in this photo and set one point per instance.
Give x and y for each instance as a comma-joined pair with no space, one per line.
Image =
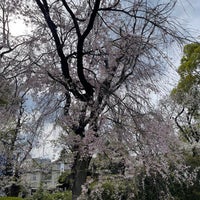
188,70
187,93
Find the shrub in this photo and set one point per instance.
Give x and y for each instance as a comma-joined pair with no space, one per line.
67,195
110,189
40,194
65,180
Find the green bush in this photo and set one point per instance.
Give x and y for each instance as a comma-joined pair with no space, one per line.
110,189
66,180
67,195
40,194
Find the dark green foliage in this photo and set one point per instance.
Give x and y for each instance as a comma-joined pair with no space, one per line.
156,187
66,180
117,167
44,195
13,190
3,102
114,188
108,190
182,191
67,195
40,194
5,92
151,187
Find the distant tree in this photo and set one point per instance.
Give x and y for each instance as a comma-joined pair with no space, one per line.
187,94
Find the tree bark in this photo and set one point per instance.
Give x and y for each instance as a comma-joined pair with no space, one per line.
80,171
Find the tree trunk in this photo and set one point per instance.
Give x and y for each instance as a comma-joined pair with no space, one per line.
79,170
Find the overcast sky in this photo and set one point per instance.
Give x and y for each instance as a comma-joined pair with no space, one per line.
188,12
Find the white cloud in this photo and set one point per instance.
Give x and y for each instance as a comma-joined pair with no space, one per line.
187,12
45,147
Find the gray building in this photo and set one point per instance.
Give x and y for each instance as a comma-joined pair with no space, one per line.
42,171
